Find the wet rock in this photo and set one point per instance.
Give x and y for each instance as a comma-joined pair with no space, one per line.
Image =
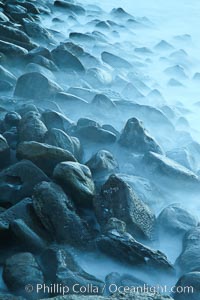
66,60
18,181
77,9
114,60
7,75
188,286
182,156
22,269
35,86
37,32
59,138
102,101
120,13
31,128
169,170
91,131
12,50
135,137
4,152
54,119
98,77
82,38
30,240
12,119
189,259
122,246
56,213
69,99
5,86
77,181
103,162
12,138
40,51
45,156
45,62
118,200
66,271
15,35
175,219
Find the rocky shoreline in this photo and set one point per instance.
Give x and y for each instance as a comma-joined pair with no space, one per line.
83,164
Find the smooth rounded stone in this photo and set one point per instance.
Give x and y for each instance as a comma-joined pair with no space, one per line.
118,200
120,13
169,170
69,99
33,67
114,60
44,62
82,38
74,48
94,133
59,138
84,93
77,9
5,86
122,246
11,119
66,271
45,156
182,156
130,91
102,101
111,129
31,128
28,239
102,163
175,219
12,138
35,86
97,77
189,259
4,152
42,51
18,181
53,119
188,287
77,181
135,137
13,34
7,75
66,60
20,270
25,108
56,213
31,7
12,50
37,32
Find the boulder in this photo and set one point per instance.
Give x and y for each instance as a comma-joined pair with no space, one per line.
18,181
35,86
13,34
102,163
20,270
103,102
45,156
54,119
37,32
12,50
31,128
189,259
66,60
118,200
137,139
77,181
175,219
71,7
65,270
188,287
120,245
7,75
59,138
56,213
4,152
114,60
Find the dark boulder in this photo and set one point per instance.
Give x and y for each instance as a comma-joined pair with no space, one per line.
77,181
54,119
175,219
74,8
20,270
12,50
188,287
119,244
118,200
18,181
56,213
31,128
136,138
45,156
66,271
35,86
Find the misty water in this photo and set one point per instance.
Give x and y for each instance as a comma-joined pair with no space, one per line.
167,78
